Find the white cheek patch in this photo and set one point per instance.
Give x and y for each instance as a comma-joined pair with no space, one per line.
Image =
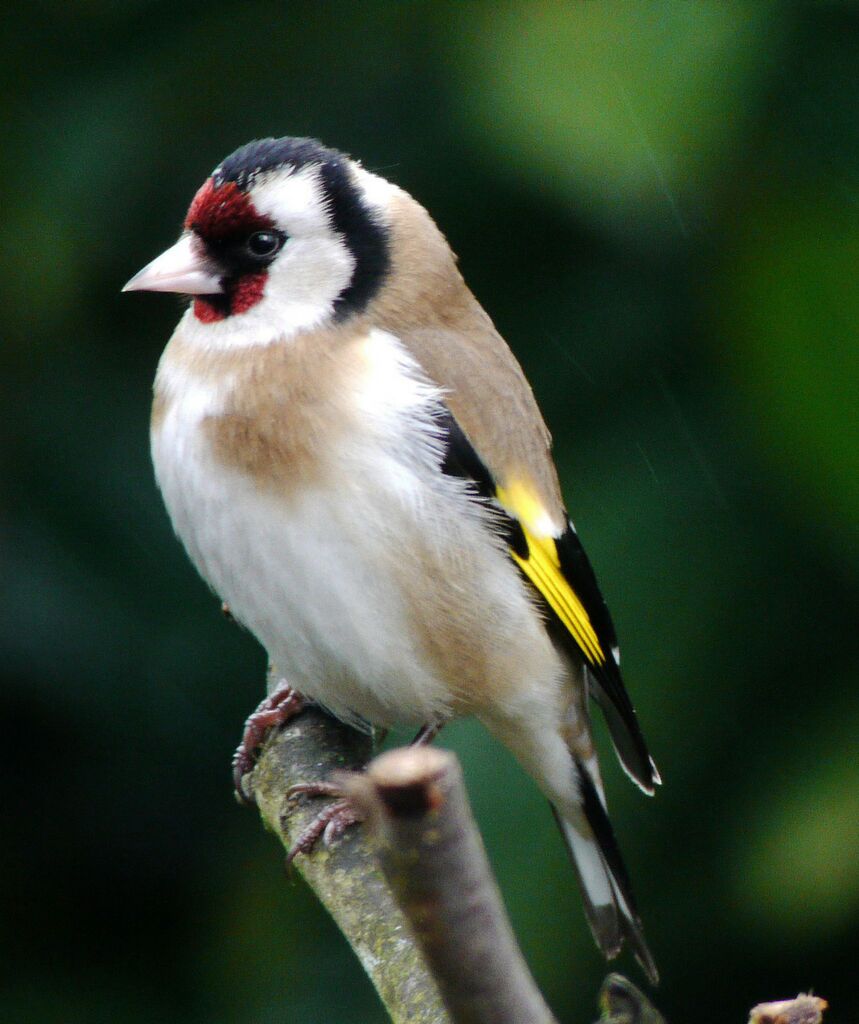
293,201
311,271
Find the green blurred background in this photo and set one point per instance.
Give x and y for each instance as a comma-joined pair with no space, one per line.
659,205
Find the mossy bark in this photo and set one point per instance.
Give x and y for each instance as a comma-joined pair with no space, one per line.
346,877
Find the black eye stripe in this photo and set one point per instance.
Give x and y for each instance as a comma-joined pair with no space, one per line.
246,253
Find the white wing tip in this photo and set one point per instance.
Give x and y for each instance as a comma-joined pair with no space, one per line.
647,790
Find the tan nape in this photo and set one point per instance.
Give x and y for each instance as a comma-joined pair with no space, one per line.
428,306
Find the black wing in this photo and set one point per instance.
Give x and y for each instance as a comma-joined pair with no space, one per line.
561,573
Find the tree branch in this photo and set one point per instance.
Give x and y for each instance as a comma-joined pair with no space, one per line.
432,855
346,878
434,867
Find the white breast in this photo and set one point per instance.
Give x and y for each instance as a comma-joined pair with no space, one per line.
322,575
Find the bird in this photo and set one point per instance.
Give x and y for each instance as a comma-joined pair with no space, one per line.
357,466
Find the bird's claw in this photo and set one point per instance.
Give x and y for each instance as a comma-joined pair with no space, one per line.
281,705
329,824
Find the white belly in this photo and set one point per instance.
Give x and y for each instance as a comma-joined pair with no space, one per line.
306,581
330,577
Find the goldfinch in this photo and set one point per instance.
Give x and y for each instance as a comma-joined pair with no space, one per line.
357,466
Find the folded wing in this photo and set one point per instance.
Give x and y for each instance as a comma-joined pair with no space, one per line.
561,574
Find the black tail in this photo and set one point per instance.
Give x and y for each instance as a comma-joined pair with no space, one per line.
607,895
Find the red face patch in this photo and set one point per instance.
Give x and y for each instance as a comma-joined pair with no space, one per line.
244,293
220,215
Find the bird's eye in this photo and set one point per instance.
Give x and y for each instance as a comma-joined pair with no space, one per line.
263,244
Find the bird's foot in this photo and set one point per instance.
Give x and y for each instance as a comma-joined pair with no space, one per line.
331,822
281,705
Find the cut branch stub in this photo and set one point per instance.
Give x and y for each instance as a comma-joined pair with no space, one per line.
804,1009
620,1002
431,852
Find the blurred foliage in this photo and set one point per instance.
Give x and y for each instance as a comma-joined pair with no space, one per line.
659,205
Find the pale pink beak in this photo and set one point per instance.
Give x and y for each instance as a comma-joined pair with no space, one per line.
182,268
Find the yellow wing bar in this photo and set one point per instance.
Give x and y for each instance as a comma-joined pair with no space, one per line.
542,566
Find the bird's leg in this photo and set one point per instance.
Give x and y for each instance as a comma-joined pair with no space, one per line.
281,705
332,821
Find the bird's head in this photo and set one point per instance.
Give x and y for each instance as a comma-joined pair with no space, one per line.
285,235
